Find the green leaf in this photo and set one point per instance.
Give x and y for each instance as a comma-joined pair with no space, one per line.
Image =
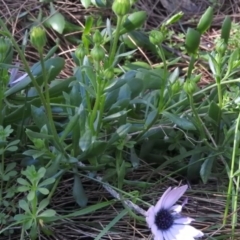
71,123
43,191
78,192
39,116
206,168
86,140
32,134
23,182
56,22
86,3
23,204
194,166
46,182
151,116
10,166
214,111
134,158
181,122
116,115
47,214
23,189
31,196
43,204
120,132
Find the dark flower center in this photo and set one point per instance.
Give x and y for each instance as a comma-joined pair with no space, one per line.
164,219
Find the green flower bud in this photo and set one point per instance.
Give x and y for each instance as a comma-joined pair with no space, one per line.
80,52
5,50
156,37
189,87
192,40
97,53
121,7
205,21
175,87
97,37
38,38
226,28
175,18
109,73
221,47
133,21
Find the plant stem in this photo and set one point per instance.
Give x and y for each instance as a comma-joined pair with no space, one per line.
115,41
231,173
47,106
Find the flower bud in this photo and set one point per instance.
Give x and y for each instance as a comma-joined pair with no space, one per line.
121,7
192,40
205,21
38,38
5,50
226,28
97,53
221,47
109,73
80,52
97,37
156,37
175,87
189,87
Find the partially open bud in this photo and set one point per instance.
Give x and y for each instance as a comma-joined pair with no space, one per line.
156,37
97,53
121,7
38,38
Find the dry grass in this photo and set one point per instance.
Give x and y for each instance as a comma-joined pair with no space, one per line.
206,202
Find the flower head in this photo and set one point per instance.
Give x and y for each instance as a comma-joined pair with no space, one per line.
165,220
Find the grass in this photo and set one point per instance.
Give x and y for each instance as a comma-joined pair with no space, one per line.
145,142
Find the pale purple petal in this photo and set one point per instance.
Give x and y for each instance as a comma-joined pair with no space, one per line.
185,231
154,230
158,235
172,196
150,216
158,206
183,220
176,209
167,235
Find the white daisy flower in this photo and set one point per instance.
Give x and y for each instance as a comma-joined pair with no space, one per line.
165,220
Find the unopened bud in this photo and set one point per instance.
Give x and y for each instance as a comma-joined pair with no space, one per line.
97,53
156,37
121,7
38,38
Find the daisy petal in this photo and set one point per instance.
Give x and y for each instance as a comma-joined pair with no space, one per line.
154,230
183,220
158,235
176,209
158,206
185,231
172,196
150,216
167,235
